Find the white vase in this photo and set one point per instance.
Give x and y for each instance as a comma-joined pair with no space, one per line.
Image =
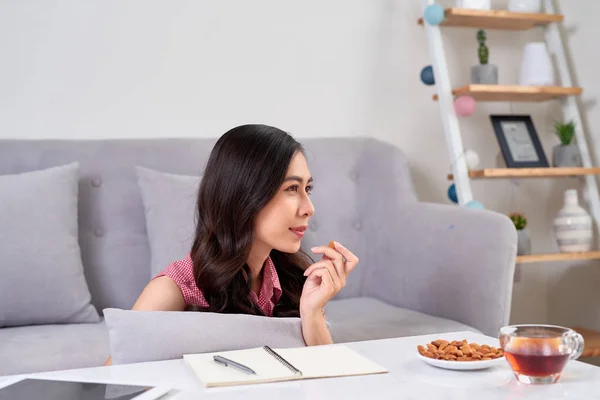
474,4
536,67
573,225
525,6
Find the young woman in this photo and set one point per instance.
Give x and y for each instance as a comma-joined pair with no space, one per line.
253,208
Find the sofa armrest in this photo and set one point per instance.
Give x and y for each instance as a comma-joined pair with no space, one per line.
445,261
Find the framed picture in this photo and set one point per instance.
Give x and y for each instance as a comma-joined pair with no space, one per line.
519,142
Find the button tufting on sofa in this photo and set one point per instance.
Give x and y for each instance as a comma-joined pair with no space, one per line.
96,182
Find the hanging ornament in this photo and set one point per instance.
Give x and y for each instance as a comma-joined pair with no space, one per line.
472,159
427,75
464,106
434,14
474,204
452,193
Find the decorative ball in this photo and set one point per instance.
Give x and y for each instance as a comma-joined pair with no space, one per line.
472,159
427,75
474,204
452,193
434,14
464,105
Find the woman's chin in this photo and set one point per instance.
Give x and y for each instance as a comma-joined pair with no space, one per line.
292,247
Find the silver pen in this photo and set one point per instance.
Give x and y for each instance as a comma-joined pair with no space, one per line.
235,365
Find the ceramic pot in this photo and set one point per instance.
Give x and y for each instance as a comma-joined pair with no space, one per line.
573,225
525,6
524,242
566,156
484,74
474,4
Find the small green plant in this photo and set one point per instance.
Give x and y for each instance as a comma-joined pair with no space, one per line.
483,51
519,220
565,131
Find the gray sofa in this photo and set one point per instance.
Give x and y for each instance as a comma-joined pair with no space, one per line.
424,268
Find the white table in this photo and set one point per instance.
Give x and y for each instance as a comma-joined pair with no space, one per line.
409,378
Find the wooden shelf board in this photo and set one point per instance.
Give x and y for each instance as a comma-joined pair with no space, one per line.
591,255
592,342
496,19
514,92
503,173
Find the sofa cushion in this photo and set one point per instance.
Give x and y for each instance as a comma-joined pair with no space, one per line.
138,336
42,279
364,318
38,348
170,209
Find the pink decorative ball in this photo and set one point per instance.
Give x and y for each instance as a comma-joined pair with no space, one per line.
464,106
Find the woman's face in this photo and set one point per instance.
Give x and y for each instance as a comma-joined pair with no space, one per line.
281,223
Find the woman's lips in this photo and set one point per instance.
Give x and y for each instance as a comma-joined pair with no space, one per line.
299,231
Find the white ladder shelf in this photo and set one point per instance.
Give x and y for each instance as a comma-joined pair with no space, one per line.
499,19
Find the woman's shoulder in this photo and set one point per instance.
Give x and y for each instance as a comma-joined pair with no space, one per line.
180,270
182,273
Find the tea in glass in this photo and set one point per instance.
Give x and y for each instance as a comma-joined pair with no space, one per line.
538,353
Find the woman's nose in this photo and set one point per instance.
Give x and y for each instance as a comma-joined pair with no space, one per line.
307,208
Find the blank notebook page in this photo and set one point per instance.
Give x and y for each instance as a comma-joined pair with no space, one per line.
314,362
265,366
329,361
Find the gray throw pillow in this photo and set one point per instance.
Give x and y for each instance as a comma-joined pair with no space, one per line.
170,209
140,336
41,273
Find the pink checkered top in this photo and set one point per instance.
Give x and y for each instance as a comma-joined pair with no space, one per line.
182,273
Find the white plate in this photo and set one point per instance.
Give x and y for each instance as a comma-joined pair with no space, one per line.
462,365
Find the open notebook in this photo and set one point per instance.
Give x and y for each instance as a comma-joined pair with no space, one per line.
313,362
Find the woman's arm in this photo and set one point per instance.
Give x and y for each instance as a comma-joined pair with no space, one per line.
314,329
324,280
161,294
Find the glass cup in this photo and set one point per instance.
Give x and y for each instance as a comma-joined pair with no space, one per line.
537,354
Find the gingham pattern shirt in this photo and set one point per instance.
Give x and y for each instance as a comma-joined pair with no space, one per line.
182,273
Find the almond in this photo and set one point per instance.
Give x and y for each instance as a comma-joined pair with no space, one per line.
459,350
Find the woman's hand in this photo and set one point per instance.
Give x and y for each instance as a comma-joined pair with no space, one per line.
325,278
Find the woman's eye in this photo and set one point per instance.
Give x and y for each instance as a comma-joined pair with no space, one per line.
309,189
293,188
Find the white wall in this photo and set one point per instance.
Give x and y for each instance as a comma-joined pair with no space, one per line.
115,69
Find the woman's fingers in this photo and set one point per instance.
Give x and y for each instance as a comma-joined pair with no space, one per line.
327,278
319,264
337,271
351,259
327,252
335,257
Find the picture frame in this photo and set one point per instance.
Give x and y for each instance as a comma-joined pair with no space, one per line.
519,141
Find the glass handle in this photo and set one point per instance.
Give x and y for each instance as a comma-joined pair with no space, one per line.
575,343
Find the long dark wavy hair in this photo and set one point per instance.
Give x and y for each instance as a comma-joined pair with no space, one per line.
246,168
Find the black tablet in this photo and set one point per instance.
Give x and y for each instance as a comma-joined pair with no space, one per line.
38,389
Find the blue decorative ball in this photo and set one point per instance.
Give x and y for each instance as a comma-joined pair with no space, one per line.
434,14
452,193
427,75
474,204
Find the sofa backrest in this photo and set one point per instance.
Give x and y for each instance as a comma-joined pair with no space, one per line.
354,177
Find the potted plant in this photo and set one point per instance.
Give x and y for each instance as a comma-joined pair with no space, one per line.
566,154
484,73
524,242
